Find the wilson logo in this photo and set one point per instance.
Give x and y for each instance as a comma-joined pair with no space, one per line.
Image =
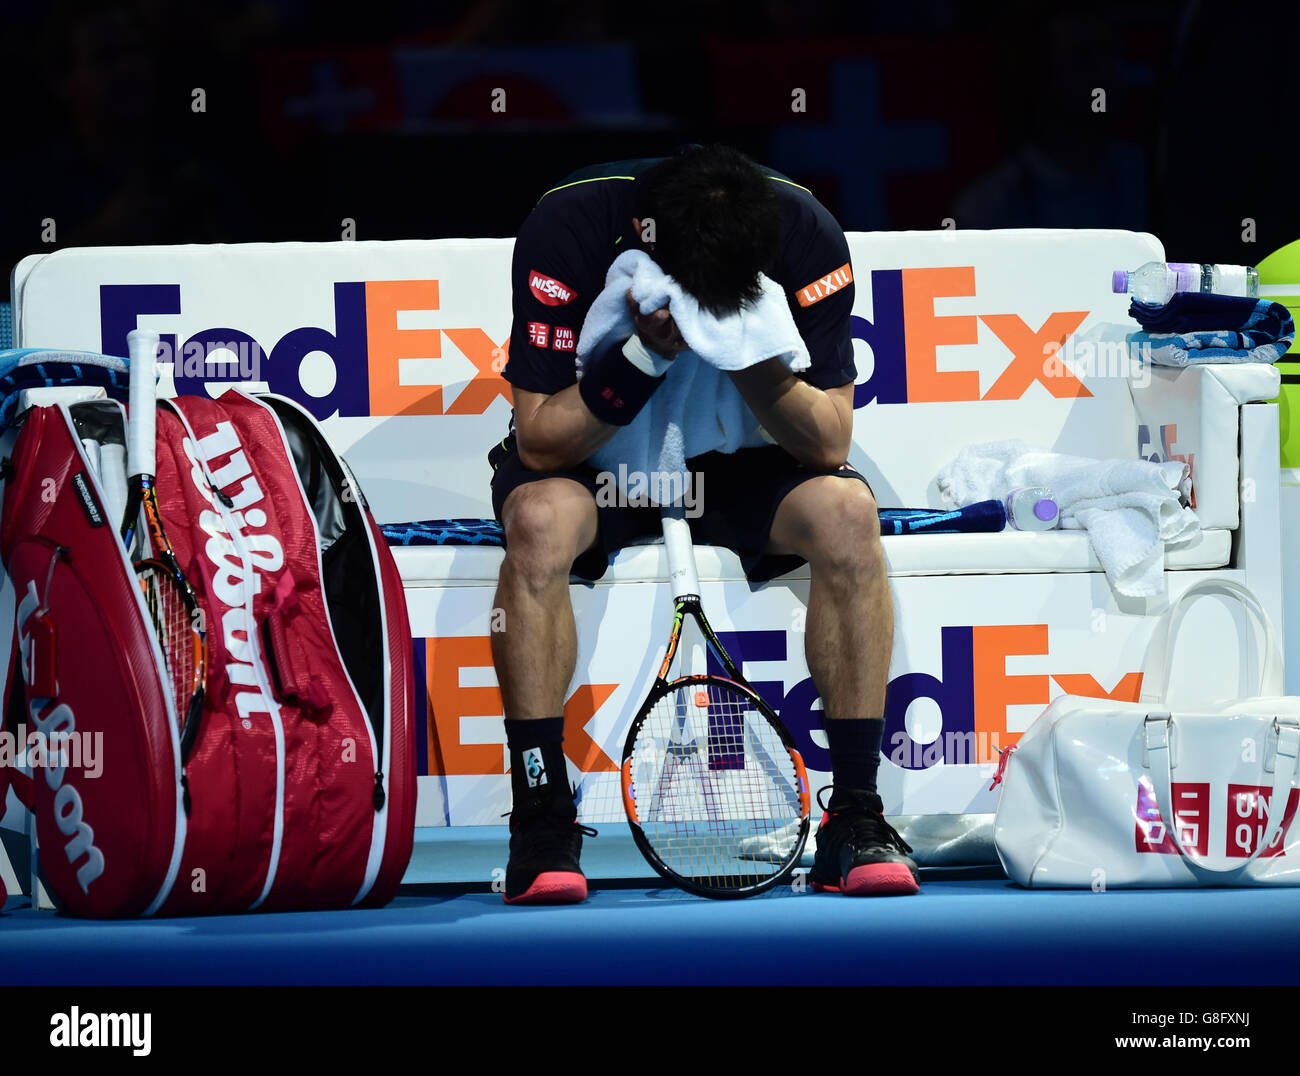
550,291
235,582
58,723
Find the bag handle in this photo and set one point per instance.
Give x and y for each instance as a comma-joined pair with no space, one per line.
1155,678
292,674
1157,730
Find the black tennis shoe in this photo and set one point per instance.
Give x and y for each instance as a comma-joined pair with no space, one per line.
859,854
545,844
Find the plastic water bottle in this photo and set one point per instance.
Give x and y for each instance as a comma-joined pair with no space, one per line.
1156,282
1032,508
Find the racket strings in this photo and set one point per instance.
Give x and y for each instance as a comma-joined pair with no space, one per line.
178,639
713,781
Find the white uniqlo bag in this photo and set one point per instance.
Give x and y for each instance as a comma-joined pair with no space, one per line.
1102,793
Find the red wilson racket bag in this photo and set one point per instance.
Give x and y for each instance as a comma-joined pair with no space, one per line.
298,788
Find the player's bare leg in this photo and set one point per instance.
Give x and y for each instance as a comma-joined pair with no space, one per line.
547,523
833,523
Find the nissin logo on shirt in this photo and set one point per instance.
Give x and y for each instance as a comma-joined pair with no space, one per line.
371,356
905,335
549,291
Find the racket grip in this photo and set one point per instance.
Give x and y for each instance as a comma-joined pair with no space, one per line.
112,479
142,344
680,550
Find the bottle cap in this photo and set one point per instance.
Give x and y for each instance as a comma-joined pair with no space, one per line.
1119,281
1045,509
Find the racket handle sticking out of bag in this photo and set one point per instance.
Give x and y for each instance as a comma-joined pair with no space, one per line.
713,788
171,602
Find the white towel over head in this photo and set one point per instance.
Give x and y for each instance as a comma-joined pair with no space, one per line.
697,409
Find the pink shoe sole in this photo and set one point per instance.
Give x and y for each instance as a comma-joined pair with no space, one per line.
553,887
874,880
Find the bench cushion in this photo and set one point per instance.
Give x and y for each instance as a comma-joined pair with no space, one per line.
913,554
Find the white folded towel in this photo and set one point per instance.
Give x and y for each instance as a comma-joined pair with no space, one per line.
697,409
1130,508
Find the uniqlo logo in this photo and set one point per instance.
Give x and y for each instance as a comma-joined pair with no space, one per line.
1191,816
550,291
564,339
1248,819
539,333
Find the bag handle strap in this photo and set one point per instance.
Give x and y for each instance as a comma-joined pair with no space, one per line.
1158,729
1155,679
291,669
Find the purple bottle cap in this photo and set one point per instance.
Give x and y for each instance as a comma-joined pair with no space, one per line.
1045,509
1119,281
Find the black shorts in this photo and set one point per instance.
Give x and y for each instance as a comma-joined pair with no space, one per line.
741,492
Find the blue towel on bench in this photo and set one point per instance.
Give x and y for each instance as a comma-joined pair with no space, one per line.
1195,327
982,516
35,367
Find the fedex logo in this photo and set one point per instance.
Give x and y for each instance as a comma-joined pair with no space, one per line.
1246,820
457,747
905,335
972,692
376,365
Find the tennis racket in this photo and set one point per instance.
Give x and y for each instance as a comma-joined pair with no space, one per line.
169,598
713,787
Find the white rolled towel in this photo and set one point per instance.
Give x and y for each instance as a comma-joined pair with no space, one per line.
1130,508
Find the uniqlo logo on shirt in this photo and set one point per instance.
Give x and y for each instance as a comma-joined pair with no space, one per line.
564,340
1191,816
539,333
550,291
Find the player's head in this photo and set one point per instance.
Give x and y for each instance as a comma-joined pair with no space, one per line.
717,224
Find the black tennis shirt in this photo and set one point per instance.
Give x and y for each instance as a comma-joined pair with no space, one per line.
578,228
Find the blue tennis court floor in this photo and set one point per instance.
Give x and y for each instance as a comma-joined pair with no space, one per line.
967,926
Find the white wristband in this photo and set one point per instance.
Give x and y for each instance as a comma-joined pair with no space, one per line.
644,359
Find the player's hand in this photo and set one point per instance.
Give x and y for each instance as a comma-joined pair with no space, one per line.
657,331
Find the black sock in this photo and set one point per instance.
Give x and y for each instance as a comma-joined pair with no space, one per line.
855,751
537,757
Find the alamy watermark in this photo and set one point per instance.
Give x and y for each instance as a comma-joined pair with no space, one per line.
951,747
82,751
215,359
626,488
1087,359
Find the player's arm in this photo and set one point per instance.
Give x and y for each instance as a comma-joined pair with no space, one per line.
811,416
814,425
559,430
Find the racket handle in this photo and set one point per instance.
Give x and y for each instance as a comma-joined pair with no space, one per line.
680,548
142,344
112,479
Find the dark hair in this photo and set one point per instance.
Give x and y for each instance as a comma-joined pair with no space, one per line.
717,224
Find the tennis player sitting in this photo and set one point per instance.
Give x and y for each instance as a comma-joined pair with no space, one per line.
713,220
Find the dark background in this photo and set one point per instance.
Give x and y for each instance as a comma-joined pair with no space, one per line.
916,111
